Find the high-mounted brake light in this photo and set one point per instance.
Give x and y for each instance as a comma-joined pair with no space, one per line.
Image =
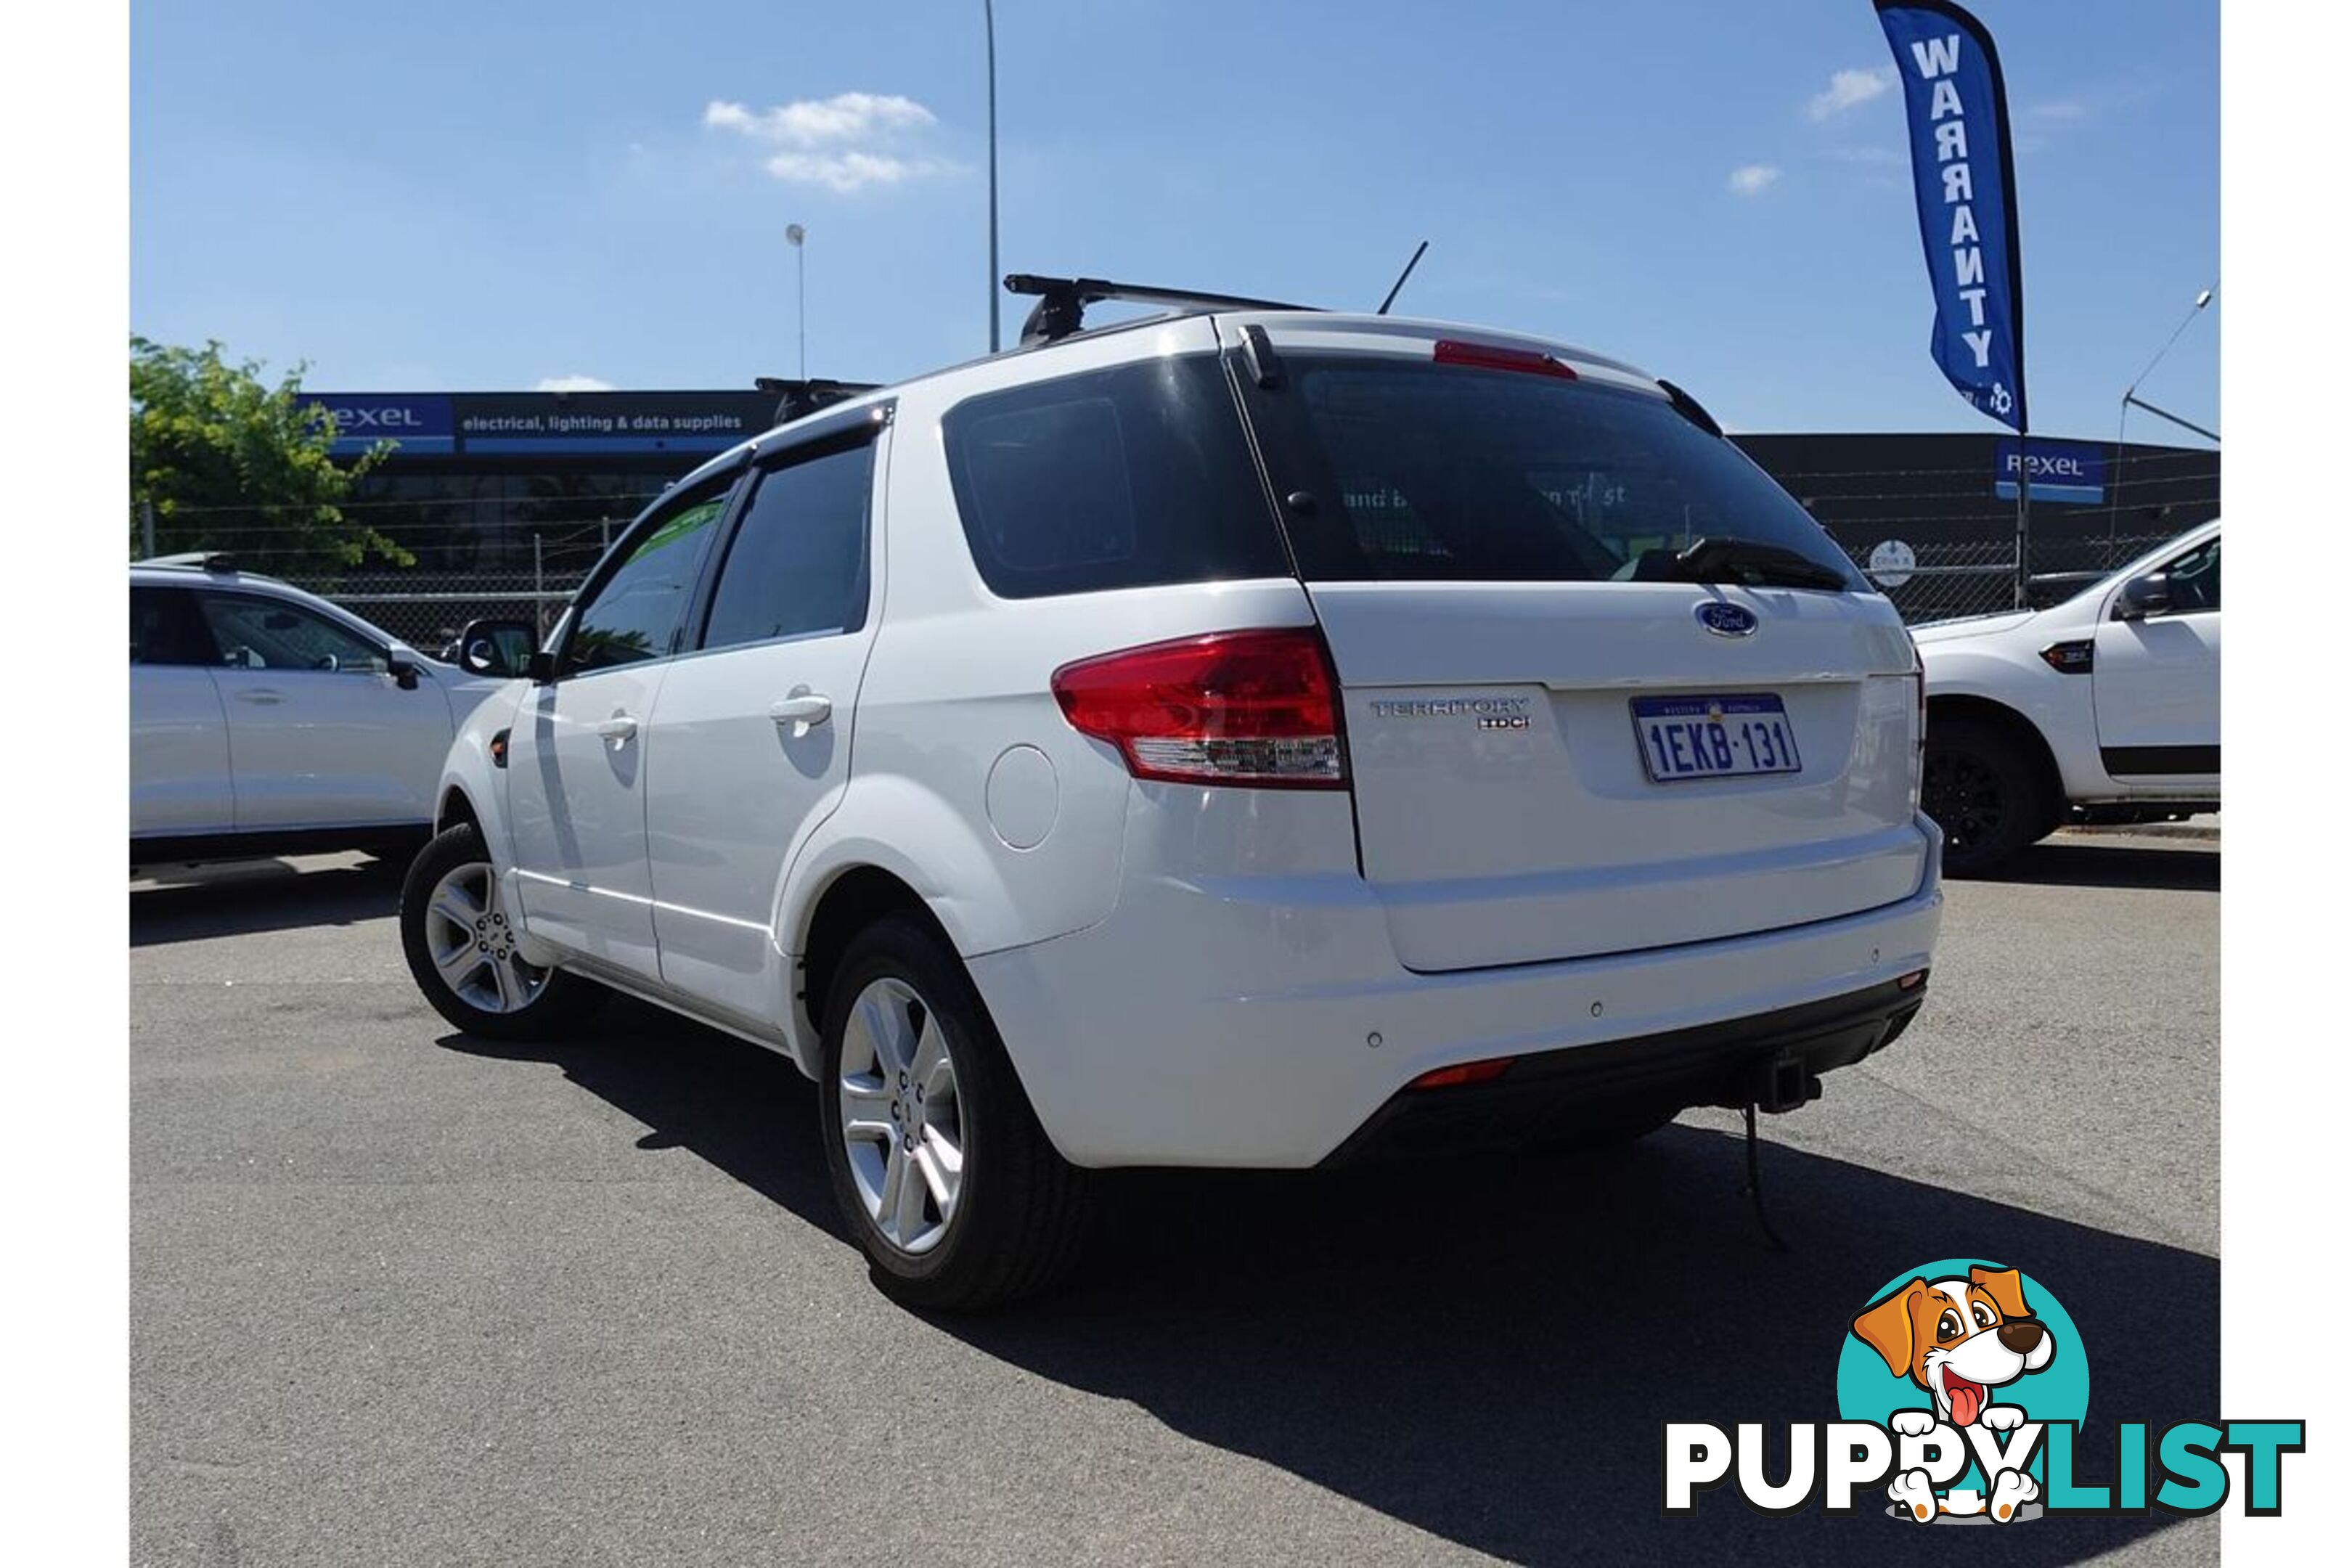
1258,707
1492,356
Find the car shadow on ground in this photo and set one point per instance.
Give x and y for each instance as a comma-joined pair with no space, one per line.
190,904
1487,1351
2187,866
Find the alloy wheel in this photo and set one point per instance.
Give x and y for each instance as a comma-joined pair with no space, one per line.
472,942
1964,796
901,1120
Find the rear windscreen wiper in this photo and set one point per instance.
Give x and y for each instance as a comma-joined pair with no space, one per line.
1724,557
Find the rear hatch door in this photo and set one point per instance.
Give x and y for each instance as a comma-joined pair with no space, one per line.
1559,746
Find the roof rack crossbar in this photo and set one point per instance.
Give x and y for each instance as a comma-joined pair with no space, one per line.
1062,301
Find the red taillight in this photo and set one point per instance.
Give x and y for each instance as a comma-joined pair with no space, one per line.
1464,1072
1491,356
1245,708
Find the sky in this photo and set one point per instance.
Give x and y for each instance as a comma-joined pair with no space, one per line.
430,196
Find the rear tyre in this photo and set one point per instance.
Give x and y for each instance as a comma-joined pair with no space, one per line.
459,939
1981,788
937,1164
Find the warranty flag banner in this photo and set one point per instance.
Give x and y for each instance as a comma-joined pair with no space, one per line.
1966,186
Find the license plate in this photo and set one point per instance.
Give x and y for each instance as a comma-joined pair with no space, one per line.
1714,737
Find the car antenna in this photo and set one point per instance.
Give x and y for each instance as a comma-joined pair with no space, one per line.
1399,284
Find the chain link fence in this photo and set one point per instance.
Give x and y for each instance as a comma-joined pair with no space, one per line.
523,567
1943,581
524,561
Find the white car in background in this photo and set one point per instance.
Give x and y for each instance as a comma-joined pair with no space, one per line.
265,721
1252,737
2105,708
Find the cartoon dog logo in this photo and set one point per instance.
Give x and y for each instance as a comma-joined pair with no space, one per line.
1960,1338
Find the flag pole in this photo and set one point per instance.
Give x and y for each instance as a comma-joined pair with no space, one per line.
2024,489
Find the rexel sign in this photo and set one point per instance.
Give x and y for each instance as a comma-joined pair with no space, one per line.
417,422
2054,470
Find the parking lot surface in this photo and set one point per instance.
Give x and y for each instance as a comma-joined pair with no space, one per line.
402,1297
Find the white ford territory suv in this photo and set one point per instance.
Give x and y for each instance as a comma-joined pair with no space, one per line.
1245,737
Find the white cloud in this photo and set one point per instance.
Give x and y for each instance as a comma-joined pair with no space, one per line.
847,172
813,121
572,384
1848,88
844,142
1753,179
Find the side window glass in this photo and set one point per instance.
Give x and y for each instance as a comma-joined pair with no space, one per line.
797,564
254,633
2196,580
166,629
639,611
1122,477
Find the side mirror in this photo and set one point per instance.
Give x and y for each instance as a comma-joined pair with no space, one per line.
496,648
541,669
403,672
2150,595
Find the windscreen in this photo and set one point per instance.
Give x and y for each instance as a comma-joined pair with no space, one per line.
1453,472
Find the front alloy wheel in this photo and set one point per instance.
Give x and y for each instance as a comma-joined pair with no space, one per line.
473,946
460,941
1978,785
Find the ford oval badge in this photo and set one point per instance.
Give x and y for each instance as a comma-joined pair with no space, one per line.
1726,619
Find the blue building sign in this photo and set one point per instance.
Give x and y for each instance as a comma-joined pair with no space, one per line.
419,422
2073,472
546,425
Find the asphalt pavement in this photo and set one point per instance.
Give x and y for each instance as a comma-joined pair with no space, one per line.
401,1297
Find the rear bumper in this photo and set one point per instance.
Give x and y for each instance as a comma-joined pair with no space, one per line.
1733,1064
1263,1019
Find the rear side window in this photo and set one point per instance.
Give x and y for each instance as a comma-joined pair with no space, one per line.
1465,473
797,565
1114,478
166,629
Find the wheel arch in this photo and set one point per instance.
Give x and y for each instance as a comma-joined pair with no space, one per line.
456,806
853,899
2016,725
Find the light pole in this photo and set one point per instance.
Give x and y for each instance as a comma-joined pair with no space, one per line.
988,11
2131,401
797,237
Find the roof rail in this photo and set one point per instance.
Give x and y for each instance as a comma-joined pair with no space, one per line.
802,398
1062,302
208,560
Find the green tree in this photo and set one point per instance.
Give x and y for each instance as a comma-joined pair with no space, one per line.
229,462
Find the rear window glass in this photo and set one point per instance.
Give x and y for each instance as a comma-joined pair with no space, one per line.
1458,472
1113,478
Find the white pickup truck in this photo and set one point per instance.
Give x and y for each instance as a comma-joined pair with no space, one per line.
2105,708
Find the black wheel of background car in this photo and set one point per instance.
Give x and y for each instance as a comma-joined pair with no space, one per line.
1983,791
460,945
938,1163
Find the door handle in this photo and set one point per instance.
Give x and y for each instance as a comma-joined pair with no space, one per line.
801,709
263,695
619,729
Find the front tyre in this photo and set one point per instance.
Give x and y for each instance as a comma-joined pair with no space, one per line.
459,939
938,1163
1979,785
